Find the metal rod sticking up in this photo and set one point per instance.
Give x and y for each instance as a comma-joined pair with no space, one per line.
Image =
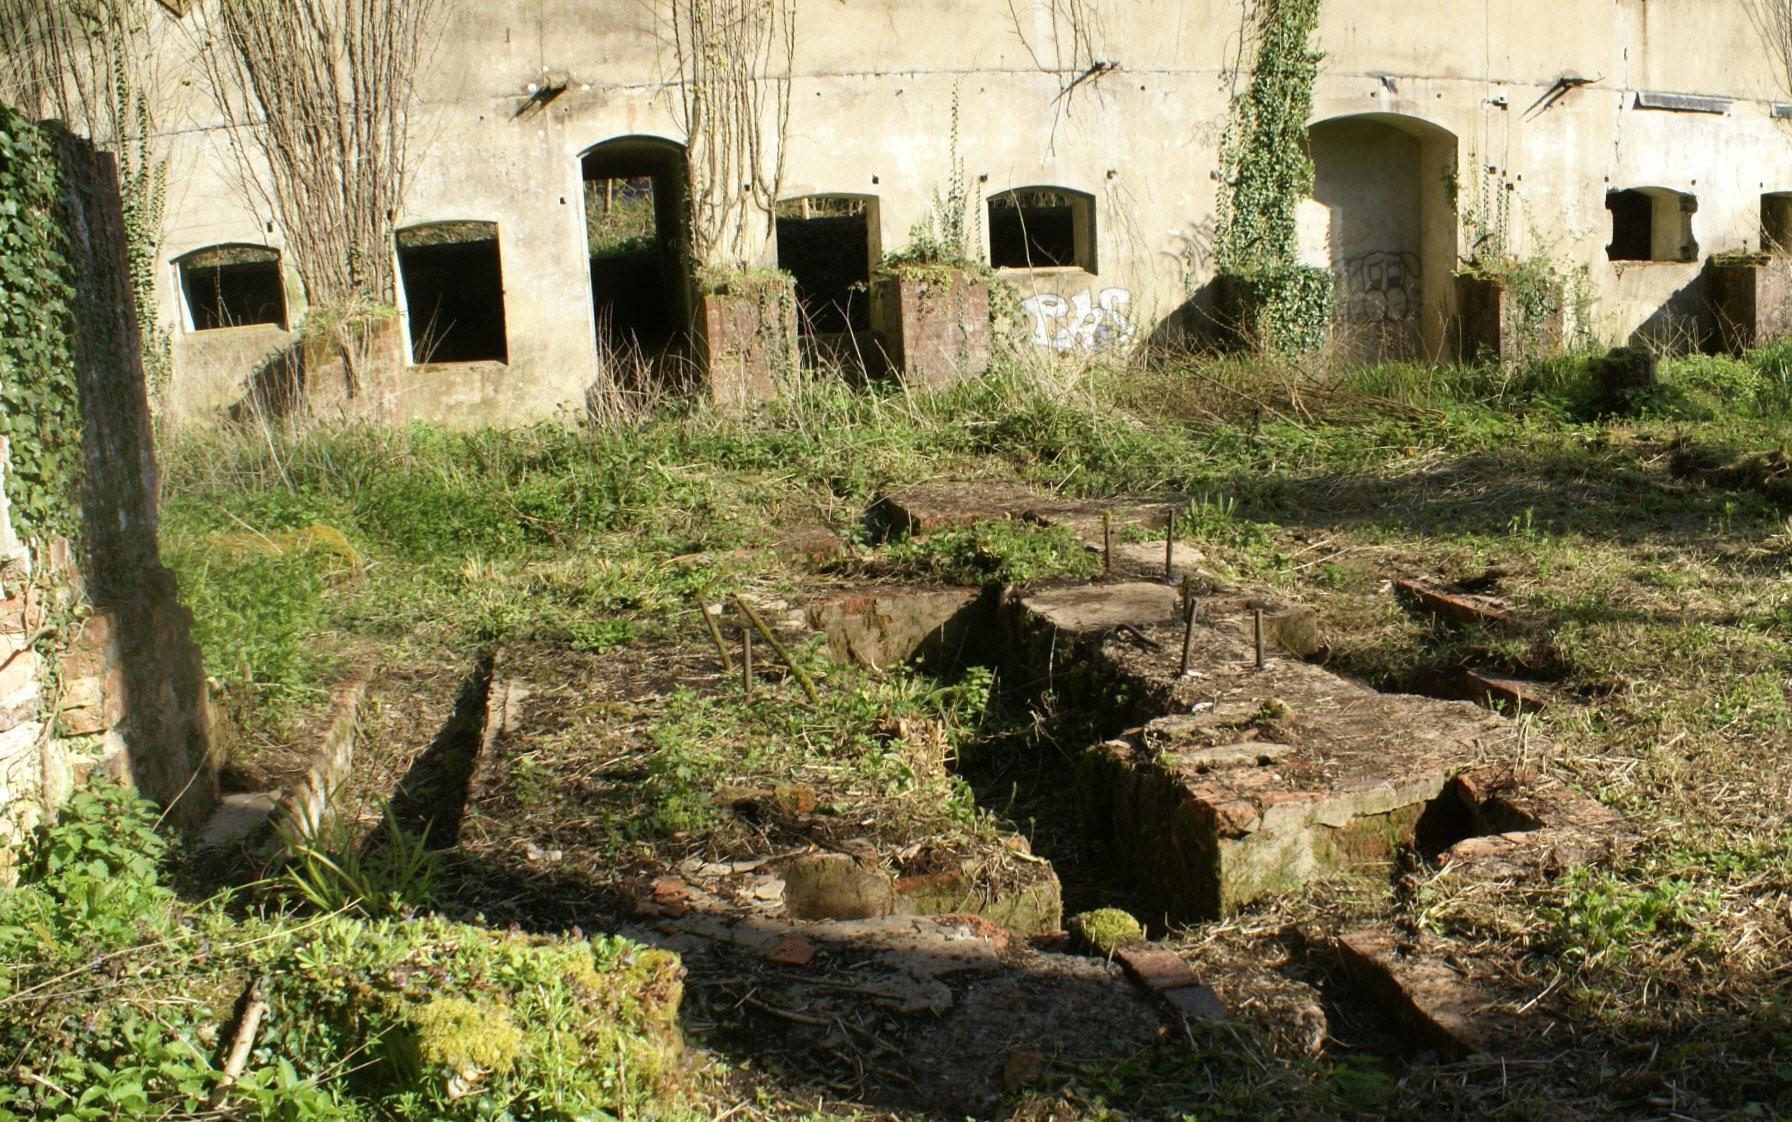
1107,542
1257,633
1169,545
1188,620
746,662
715,636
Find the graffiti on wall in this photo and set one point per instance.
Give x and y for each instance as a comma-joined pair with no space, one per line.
1382,287
1085,321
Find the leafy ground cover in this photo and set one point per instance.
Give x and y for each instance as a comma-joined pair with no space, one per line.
1643,558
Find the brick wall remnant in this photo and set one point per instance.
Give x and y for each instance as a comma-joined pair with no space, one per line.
98,672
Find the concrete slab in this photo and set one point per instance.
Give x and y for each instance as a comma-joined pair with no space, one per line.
943,504
237,818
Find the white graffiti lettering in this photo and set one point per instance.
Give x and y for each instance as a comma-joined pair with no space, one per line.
1085,321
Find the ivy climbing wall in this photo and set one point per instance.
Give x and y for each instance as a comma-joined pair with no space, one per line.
97,670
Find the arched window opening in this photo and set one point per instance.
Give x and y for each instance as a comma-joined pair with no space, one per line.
454,292
1042,228
233,286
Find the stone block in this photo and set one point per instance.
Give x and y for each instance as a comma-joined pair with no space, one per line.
20,671
1196,1003
823,886
97,631
934,325
1023,897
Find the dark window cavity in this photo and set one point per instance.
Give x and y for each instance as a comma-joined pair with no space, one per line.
827,242
1651,224
1776,222
233,286
1042,227
454,291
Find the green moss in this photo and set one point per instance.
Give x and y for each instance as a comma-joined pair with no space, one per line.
1104,930
459,1035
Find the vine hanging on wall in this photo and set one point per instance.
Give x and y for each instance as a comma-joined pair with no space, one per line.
40,411
1265,172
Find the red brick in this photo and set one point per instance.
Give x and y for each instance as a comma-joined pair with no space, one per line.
1154,968
791,951
1456,609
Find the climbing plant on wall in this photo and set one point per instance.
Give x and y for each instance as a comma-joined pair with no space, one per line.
1265,171
40,411
91,64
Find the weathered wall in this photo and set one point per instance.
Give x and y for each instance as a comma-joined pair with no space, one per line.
97,671
873,103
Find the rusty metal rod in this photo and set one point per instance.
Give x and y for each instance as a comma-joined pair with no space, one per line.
1107,542
1188,620
715,636
802,676
1257,633
1169,545
746,662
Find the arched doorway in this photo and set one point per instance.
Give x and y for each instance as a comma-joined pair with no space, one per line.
1382,183
636,231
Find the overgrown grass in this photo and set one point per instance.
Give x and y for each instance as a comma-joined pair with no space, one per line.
118,1001
1645,557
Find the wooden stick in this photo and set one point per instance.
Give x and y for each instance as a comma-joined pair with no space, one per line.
765,633
240,1044
1107,542
715,636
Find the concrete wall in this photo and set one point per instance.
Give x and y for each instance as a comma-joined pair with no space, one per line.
872,106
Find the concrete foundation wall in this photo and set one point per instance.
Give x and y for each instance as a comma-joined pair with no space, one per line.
872,106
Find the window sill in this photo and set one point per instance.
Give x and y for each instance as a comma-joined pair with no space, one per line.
1007,271
238,329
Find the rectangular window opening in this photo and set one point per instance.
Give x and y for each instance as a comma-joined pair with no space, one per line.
233,286
827,243
454,290
1776,223
1652,224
